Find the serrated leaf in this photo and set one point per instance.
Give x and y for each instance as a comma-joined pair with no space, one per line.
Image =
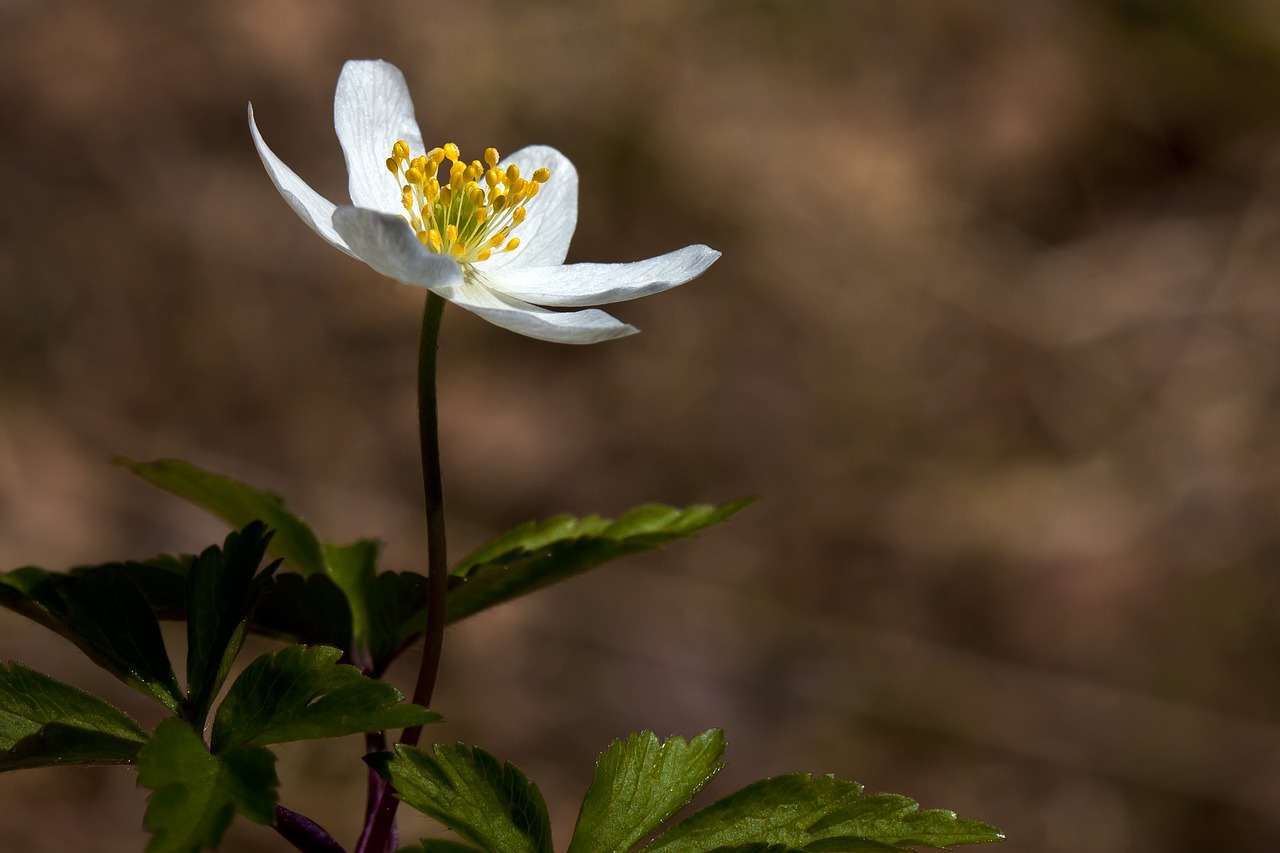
223,585
536,555
397,613
45,722
300,693
817,814
238,504
490,805
102,611
195,795
639,783
309,610
898,821
162,581
351,567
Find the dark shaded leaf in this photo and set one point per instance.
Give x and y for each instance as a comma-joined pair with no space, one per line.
309,610
639,783
536,555
223,585
300,693
103,612
45,722
196,795
490,805
397,613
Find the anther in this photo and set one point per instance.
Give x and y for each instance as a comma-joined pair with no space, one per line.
542,176
451,151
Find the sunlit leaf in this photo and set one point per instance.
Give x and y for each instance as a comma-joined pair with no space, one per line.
639,783
488,804
299,693
237,504
195,795
536,555
820,815
44,722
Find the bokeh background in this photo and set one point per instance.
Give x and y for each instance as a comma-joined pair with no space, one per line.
995,339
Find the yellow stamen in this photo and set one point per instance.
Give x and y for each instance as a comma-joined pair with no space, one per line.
469,212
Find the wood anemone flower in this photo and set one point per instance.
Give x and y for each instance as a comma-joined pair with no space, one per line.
489,235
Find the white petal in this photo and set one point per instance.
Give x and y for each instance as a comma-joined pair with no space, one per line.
552,214
371,110
388,244
600,284
563,327
315,209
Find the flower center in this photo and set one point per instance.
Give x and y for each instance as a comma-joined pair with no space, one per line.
472,214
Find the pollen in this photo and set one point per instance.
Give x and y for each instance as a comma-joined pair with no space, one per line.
466,210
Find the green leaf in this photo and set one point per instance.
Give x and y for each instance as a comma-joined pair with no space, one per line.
195,795
536,555
221,591
352,568
45,722
300,693
309,610
897,821
397,613
438,845
162,581
490,805
820,815
103,612
639,783
238,504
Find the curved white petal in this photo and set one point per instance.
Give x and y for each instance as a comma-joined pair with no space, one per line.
315,209
563,327
600,284
371,110
552,214
388,244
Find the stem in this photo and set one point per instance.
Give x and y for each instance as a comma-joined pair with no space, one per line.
304,834
379,831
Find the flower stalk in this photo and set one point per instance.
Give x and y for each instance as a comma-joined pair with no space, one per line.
379,831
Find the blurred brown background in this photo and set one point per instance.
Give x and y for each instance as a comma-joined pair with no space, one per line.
995,338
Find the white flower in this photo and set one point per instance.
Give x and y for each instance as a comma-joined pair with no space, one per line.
490,236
